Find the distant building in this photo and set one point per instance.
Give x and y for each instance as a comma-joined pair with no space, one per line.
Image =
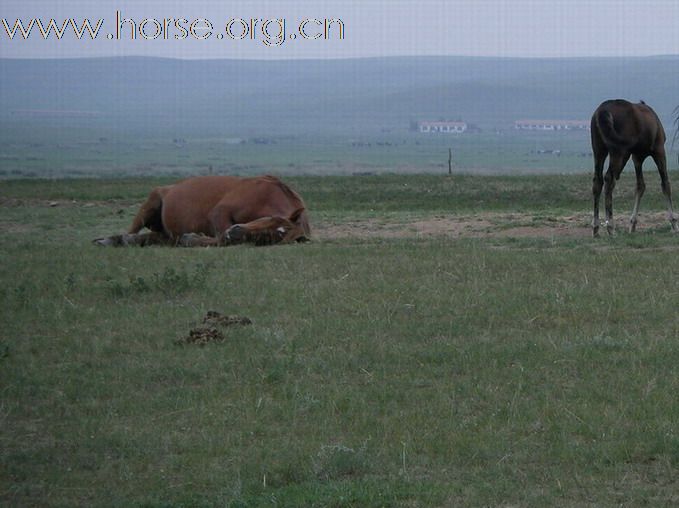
552,125
442,127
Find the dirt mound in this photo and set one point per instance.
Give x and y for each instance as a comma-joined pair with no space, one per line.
203,335
213,318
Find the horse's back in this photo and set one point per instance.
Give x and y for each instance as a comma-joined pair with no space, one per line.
190,205
621,124
187,204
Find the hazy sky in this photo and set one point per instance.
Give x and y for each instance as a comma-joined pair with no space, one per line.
549,28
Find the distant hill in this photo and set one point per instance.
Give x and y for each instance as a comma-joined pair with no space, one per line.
236,97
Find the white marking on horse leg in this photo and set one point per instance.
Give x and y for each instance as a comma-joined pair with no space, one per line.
673,223
610,227
671,217
608,222
635,212
670,214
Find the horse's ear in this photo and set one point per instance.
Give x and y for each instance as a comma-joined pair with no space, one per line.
294,216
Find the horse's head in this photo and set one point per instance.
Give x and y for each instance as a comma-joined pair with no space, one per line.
268,230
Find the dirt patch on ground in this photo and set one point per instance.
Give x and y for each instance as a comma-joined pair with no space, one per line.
214,318
47,203
484,225
214,323
202,336
457,226
11,202
369,228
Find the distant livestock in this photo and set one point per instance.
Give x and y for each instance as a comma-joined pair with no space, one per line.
218,211
621,130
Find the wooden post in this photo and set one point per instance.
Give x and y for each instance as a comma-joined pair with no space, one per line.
450,161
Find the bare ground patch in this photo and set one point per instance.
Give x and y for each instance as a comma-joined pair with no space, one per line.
483,225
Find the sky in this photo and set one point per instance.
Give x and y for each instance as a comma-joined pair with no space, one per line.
520,28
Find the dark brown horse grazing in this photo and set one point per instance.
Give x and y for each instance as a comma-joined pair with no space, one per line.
218,210
622,130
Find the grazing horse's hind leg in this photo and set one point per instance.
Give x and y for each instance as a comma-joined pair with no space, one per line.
661,162
615,165
641,187
597,185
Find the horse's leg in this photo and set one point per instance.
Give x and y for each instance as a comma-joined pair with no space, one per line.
661,162
641,187
616,164
220,219
597,185
195,240
135,239
149,214
151,238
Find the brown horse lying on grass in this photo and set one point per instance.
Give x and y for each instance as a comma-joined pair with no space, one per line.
218,210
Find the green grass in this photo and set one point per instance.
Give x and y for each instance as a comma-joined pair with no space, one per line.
428,372
55,151
377,195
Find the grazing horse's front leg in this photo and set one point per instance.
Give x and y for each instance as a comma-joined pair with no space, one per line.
641,187
609,185
597,185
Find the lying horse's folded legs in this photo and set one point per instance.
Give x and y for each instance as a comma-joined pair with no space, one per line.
195,240
133,239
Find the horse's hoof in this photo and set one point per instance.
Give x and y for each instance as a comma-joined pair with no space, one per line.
595,232
632,227
187,240
235,233
102,242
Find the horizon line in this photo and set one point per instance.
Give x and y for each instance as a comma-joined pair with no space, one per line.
373,57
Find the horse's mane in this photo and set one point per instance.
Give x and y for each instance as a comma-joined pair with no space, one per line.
287,190
676,126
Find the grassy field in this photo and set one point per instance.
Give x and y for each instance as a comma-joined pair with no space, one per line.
53,151
412,371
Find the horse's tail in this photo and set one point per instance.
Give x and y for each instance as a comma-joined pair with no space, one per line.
604,120
150,213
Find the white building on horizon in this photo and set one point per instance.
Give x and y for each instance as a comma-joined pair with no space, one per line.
552,125
442,127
